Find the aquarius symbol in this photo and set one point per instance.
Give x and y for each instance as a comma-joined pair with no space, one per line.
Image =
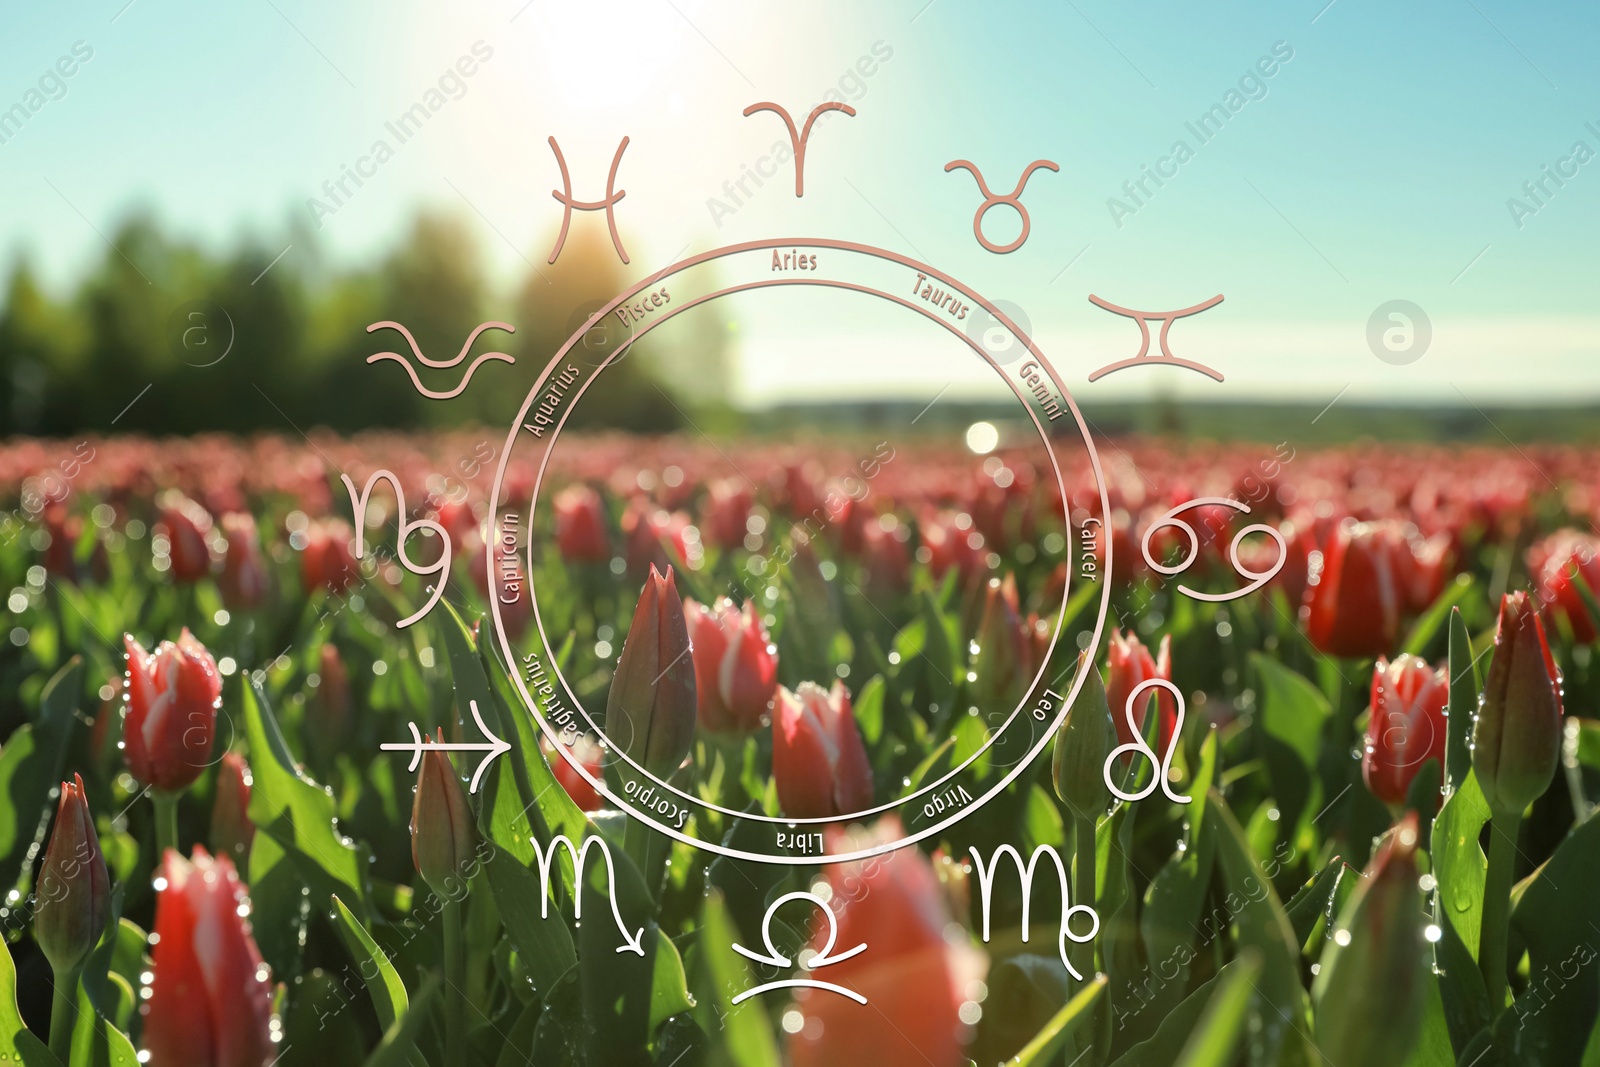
990,200
1259,578
774,958
466,346
798,140
493,748
1138,746
589,205
1143,319
441,566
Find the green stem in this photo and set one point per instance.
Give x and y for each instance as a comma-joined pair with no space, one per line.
64,1013
166,805
1497,905
455,974
1083,890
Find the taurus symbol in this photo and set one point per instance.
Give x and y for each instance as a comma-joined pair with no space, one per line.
466,346
990,200
588,205
1143,319
798,140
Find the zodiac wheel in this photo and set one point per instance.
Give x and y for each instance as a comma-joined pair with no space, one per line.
972,752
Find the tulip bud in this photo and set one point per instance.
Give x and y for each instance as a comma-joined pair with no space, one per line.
1517,737
1370,991
231,829
173,697
819,764
1128,664
1405,726
735,665
1001,666
1352,603
244,576
210,994
1083,743
442,835
74,892
650,711
581,526
186,524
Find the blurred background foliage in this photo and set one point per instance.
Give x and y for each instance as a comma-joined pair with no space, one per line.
71,361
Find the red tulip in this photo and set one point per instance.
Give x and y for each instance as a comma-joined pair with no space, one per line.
886,558
173,697
950,541
460,523
1405,726
818,761
913,976
1129,665
1517,736
73,891
579,788
1352,603
442,833
581,525
735,665
231,829
728,512
210,999
60,556
186,524
327,561
650,710
1555,562
244,576
332,708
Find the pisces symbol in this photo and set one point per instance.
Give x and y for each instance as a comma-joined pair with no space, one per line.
466,346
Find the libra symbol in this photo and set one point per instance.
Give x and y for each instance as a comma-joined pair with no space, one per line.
774,958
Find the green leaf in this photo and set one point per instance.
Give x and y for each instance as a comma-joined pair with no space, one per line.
1292,715
1423,632
400,1038
1313,899
389,998
1556,918
299,843
1166,1044
1460,869
869,710
669,986
1216,1034
1262,925
1078,1011
96,1043
31,765
17,1044
722,975
1463,703
545,944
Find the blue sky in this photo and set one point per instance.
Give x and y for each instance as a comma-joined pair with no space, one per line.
1376,166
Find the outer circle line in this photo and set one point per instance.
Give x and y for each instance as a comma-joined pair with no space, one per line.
1105,593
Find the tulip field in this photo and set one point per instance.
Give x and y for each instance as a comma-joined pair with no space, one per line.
234,831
